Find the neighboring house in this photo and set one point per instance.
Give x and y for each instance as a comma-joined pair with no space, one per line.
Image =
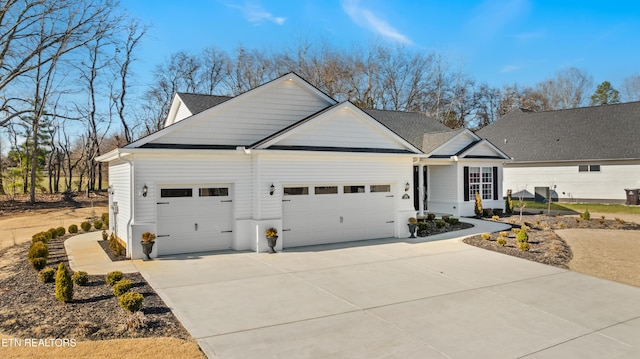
588,154
288,156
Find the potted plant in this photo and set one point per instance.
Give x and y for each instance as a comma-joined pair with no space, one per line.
413,223
272,237
147,243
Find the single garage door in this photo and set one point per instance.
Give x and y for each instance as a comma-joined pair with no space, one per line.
194,219
336,213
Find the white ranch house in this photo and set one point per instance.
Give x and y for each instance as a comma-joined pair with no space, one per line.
288,156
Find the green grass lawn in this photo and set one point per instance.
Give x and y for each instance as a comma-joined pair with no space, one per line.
580,207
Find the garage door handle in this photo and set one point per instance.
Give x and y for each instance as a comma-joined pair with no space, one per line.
196,227
162,235
389,196
286,230
226,231
227,200
390,221
162,203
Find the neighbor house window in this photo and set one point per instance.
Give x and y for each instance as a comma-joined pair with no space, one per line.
214,192
481,180
589,168
295,191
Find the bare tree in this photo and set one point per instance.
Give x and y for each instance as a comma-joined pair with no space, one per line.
631,88
567,90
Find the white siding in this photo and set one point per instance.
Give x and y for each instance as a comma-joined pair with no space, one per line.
455,144
251,118
443,189
155,171
608,184
182,113
119,178
482,149
341,128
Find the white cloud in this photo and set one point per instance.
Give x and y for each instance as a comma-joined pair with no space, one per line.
365,18
510,68
256,15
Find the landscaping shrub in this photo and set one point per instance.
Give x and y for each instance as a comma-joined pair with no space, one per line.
131,301
501,241
522,237
431,216
504,234
121,287
97,224
38,250
64,284
47,275
105,218
80,278
453,221
73,228
115,245
440,223
61,231
113,277
524,246
619,220
485,236
86,226
413,220
586,215
478,206
508,203
515,230
38,263
445,218
105,235
136,321
601,220
54,233
495,218
39,237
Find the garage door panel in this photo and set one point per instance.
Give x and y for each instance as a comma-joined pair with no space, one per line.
321,218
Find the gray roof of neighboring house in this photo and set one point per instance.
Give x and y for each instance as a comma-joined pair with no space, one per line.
409,125
197,103
588,133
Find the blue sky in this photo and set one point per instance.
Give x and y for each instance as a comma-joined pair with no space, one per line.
498,42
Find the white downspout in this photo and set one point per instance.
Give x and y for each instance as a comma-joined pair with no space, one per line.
131,200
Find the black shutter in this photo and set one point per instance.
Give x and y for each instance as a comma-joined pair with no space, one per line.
495,183
466,183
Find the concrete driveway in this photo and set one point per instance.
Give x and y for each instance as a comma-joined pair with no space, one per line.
394,299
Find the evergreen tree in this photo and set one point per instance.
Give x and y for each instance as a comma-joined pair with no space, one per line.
605,94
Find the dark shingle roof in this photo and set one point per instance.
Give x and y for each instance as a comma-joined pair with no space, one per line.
197,103
588,133
409,125
433,140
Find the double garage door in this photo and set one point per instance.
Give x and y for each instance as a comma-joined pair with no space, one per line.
337,213
194,219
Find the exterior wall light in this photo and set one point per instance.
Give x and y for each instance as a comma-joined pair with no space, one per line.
272,190
406,187
145,189
110,190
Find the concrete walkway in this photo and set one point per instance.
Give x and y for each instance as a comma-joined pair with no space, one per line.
85,254
395,298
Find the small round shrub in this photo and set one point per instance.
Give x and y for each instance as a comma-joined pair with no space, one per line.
54,233
47,275
97,224
61,231
80,278
38,263
586,215
39,237
105,235
131,301
121,287
413,220
524,246
423,226
64,284
501,241
486,236
504,234
495,218
38,250
522,237
440,223
113,277
105,218
453,221
86,226
431,216
73,228
445,218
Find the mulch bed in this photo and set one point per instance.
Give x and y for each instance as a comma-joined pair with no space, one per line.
545,246
28,307
14,204
109,252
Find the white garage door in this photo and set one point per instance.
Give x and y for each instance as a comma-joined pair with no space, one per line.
338,213
194,219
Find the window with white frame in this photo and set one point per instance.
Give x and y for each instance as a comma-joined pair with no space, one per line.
481,181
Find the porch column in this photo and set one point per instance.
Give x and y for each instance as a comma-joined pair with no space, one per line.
421,189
